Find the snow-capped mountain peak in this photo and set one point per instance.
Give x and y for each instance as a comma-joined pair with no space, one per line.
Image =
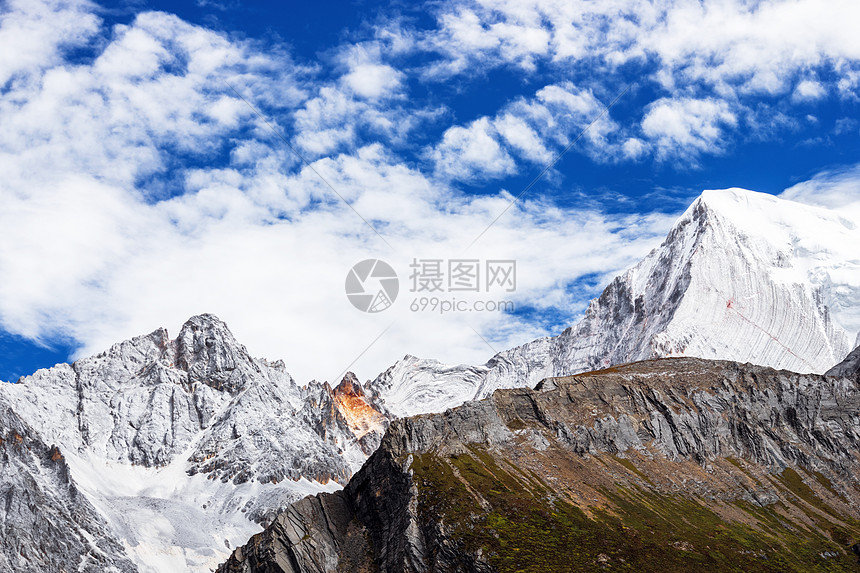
416,385
206,349
214,440
741,276
196,435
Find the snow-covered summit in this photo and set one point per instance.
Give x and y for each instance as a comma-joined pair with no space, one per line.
418,385
206,349
741,276
817,246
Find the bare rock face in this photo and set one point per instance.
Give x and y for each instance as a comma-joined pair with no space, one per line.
362,414
206,349
667,465
848,368
47,524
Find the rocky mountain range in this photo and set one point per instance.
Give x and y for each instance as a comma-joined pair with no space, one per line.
165,454
168,452
677,464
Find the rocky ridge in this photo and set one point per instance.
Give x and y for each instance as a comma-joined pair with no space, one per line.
43,515
674,464
196,432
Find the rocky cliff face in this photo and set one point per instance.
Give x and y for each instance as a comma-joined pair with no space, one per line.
193,433
742,276
675,464
44,517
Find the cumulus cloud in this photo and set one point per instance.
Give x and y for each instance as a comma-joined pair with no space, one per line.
471,152
683,128
730,54
733,44
519,135
533,129
372,80
139,188
365,100
808,90
136,195
40,31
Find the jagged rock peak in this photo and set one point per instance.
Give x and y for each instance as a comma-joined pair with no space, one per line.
193,428
206,349
365,418
349,386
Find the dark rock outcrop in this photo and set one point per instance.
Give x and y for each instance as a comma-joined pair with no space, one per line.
675,464
46,523
848,368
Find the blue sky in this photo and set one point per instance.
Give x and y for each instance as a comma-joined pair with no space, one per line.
141,189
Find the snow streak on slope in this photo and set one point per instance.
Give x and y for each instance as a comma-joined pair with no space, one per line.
742,276
415,386
169,521
187,446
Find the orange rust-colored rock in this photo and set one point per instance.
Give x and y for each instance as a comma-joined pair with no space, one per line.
56,456
352,404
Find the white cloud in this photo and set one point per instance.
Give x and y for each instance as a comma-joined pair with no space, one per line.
367,75
808,90
520,136
40,31
373,80
733,52
327,121
106,266
121,123
685,127
471,152
846,125
634,148
834,188
752,46
535,129
366,100
107,234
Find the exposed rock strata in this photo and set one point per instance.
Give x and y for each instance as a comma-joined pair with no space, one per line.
695,446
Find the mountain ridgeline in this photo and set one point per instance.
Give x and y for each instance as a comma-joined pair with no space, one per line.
166,454
192,432
666,465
